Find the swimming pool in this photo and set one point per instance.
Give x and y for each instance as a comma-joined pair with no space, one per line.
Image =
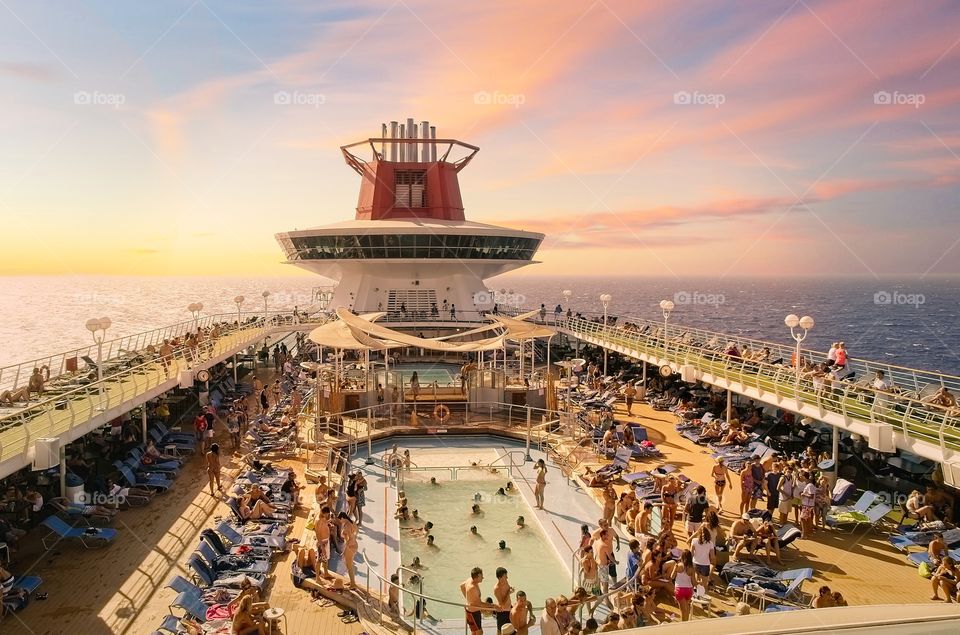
531,561
427,373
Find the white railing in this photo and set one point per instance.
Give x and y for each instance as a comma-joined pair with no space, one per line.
853,401
75,402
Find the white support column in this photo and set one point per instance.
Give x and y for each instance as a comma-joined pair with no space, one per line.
729,405
143,421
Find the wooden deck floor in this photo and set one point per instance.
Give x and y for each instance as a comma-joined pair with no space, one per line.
861,564
120,588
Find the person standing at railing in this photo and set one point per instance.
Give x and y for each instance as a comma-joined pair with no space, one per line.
501,592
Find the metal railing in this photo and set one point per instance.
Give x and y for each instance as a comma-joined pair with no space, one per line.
17,375
73,404
828,400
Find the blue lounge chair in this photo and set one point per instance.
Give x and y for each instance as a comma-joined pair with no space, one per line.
192,605
150,470
155,483
621,462
215,562
922,556
275,543
170,624
212,538
78,512
791,596
88,536
179,446
866,499
232,580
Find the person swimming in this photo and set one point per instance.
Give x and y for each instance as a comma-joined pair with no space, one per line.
433,480
475,510
500,492
416,564
477,497
502,546
430,542
521,523
510,487
473,530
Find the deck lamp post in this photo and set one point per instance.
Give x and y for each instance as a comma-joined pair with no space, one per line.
793,322
195,308
265,295
238,301
605,300
667,307
98,329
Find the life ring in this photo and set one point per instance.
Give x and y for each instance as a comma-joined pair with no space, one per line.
441,412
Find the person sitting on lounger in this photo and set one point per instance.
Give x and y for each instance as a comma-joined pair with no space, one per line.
942,397
11,397
745,536
260,509
735,435
916,508
244,623
152,451
710,432
38,379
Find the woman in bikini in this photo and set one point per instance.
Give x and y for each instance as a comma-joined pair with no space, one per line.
720,474
683,577
348,531
670,490
945,578
746,487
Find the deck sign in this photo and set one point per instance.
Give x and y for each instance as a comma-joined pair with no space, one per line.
436,430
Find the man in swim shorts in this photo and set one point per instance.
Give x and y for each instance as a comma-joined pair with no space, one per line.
321,528
470,588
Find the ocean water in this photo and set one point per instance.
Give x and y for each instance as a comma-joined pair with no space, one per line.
905,322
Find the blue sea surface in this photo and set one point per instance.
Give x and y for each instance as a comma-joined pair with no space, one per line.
904,322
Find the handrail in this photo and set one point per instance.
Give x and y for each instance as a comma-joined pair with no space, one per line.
919,420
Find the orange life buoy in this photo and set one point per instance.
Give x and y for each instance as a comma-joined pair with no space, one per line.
441,412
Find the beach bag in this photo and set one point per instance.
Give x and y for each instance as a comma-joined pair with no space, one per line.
924,571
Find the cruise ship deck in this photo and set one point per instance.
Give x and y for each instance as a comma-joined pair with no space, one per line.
122,589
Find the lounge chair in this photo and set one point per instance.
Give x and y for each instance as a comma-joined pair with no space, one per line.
192,605
170,624
180,445
866,499
89,537
78,511
903,542
270,541
922,556
871,517
213,539
787,535
842,491
232,580
149,470
234,505
222,564
621,462
792,595
148,482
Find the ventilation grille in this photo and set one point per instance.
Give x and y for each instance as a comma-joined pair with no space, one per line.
410,187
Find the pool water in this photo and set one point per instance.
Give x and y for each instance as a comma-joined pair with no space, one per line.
443,374
531,561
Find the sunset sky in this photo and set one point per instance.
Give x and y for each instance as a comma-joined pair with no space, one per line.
820,137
